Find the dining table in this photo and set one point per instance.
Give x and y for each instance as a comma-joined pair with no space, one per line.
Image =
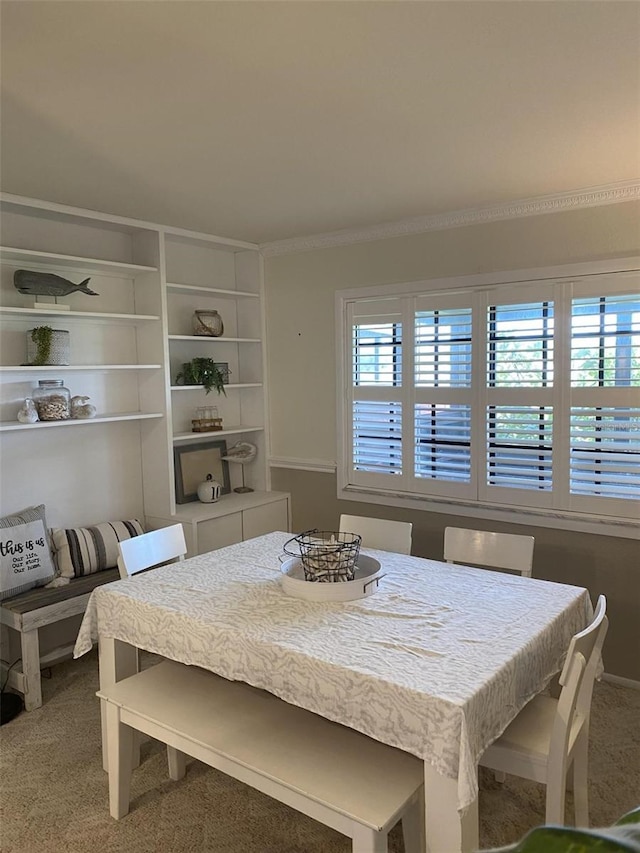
437,661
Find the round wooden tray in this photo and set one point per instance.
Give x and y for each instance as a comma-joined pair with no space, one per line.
367,577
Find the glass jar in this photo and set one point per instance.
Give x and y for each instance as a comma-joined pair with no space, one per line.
207,323
53,400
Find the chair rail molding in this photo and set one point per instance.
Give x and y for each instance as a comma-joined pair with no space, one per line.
588,197
324,466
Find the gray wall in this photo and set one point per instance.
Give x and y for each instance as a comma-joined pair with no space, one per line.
300,292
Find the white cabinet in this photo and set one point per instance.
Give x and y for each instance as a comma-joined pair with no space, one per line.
127,346
231,519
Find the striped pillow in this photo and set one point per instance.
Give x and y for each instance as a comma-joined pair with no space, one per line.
85,550
25,546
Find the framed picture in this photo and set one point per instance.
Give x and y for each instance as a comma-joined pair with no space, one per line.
192,463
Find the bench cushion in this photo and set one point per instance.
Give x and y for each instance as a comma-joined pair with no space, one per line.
34,599
81,551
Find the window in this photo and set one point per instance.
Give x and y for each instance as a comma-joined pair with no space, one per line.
517,395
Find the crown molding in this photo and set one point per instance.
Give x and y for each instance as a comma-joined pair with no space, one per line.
590,197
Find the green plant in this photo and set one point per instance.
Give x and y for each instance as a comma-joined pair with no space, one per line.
202,371
622,837
41,336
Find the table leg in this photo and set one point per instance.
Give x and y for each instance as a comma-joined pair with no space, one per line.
117,660
120,748
446,830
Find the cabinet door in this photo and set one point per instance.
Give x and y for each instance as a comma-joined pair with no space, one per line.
265,519
218,532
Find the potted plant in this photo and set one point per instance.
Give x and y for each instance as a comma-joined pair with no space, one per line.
47,346
205,372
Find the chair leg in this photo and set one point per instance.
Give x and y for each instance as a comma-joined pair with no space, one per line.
120,751
556,795
177,763
365,840
580,781
30,647
413,826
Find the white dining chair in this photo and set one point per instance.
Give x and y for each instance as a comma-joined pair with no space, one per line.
489,550
151,549
550,736
138,554
379,532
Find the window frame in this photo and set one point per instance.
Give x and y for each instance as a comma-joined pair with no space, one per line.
490,503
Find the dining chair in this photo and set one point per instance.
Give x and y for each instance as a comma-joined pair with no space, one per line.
151,549
489,550
148,551
379,532
550,736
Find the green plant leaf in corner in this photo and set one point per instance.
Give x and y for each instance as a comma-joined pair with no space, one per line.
630,817
621,838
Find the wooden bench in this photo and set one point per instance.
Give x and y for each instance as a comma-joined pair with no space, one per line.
32,610
343,779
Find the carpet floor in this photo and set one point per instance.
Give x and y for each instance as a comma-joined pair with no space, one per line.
54,791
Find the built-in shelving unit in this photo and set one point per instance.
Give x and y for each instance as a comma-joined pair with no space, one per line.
28,256
77,316
103,419
231,386
207,436
205,340
127,345
196,290
73,368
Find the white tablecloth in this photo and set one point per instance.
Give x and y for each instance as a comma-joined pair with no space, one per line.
437,662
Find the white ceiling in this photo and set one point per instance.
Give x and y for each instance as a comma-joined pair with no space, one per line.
269,120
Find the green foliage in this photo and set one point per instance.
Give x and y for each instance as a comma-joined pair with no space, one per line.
623,837
202,371
41,336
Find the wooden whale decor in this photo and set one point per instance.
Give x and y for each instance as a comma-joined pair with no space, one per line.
48,284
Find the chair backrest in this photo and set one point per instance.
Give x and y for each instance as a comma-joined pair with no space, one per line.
577,677
151,549
379,532
491,550
588,643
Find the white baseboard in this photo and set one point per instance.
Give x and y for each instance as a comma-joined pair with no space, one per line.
622,682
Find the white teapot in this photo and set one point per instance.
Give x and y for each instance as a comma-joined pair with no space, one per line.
209,491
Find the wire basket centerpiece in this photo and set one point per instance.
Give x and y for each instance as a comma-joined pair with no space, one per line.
327,556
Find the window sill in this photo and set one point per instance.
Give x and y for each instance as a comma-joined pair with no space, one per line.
623,528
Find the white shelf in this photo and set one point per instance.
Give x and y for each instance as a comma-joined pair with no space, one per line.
101,419
9,255
198,290
77,316
229,503
200,268
230,385
181,437
73,368
211,339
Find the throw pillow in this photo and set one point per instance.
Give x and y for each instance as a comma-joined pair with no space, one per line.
85,550
25,554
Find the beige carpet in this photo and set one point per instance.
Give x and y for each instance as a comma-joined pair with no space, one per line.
54,792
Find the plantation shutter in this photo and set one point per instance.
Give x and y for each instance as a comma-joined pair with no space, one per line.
442,402
604,452
375,392
519,396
